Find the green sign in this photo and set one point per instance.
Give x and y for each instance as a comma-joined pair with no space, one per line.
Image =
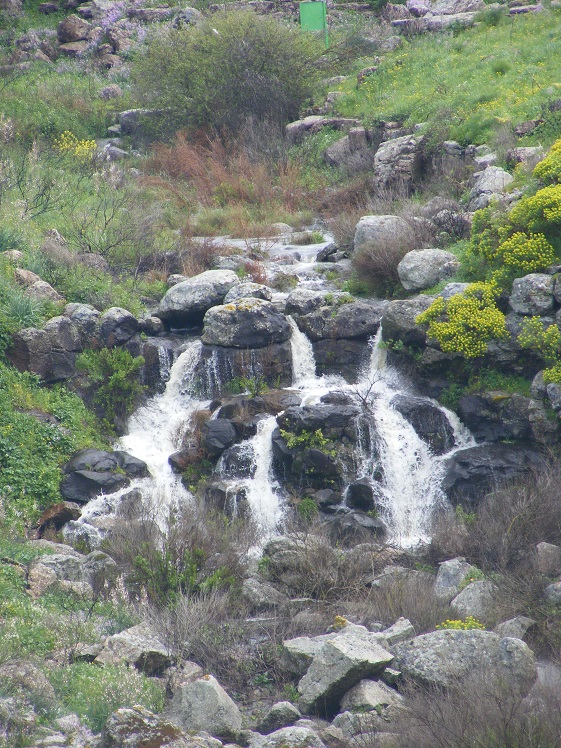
313,17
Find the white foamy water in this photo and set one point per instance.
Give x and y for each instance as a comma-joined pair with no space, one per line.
263,492
156,430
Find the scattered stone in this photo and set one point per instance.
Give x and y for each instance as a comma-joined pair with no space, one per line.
262,596
450,576
248,290
548,559
281,714
552,593
515,628
487,183
72,29
369,695
138,646
379,231
43,291
478,599
137,727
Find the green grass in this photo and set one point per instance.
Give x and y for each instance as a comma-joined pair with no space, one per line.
467,85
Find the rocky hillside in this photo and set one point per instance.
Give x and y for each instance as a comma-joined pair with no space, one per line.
280,375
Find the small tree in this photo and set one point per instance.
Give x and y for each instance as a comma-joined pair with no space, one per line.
232,67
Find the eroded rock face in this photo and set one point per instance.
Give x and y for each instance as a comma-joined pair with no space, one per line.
187,302
423,268
138,646
488,183
137,727
246,323
445,658
50,353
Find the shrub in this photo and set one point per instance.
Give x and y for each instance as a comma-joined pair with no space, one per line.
519,255
466,322
93,693
539,213
546,342
113,372
549,170
234,66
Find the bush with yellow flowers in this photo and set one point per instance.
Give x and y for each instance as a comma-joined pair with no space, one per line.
545,341
539,213
549,170
466,322
82,150
467,624
521,254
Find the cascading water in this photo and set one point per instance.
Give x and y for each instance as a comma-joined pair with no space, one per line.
262,491
155,431
303,362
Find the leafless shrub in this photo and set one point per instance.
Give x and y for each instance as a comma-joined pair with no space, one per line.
508,524
478,713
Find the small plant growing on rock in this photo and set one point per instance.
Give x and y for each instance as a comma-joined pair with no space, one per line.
466,322
467,624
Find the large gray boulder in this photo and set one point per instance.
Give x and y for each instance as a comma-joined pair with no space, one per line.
138,646
533,294
72,29
86,319
304,301
451,7
340,664
247,323
282,714
398,164
187,302
248,290
50,353
380,231
423,268
204,705
445,658
369,695
489,183
399,320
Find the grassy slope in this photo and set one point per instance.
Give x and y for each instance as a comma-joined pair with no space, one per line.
471,82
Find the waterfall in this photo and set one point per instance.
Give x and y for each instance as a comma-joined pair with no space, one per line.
156,430
303,362
263,494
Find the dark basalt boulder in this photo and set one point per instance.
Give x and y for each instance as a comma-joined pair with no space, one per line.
354,320
49,353
116,327
237,462
217,435
495,415
341,357
429,422
334,421
472,472
351,527
398,320
92,471
362,494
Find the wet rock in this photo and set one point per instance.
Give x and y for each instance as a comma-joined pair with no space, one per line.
533,294
204,705
92,471
351,527
187,302
116,327
423,268
224,497
470,473
428,420
56,516
217,435
342,357
493,416
138,646
247,323
361,495
304,301
334,421
445,658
